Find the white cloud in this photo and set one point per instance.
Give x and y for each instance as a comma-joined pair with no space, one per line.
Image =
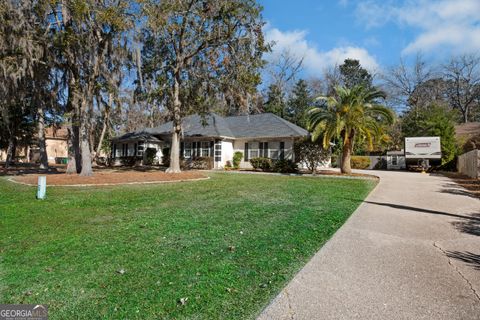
443,24
315,61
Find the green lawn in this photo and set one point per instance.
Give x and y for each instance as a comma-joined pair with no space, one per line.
228,244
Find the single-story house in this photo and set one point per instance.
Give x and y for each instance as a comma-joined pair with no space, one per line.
217,137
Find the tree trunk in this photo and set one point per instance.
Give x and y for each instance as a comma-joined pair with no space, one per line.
465,115
11,150
347,155
175,151
84,142
177,128
104,128
41,139
74,164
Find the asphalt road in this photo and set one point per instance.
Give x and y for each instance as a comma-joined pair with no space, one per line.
410,251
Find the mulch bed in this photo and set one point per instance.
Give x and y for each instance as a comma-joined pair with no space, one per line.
111,177
472,185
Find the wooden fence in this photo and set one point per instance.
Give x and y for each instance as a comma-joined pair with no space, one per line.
469,164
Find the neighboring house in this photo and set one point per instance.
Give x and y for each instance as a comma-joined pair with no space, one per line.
217,137
56,141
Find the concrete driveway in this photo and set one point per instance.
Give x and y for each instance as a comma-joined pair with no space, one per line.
410,251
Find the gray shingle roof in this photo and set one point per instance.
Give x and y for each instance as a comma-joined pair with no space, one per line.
264,125
137,135
212,126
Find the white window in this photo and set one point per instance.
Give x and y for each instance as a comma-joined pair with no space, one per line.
253,150
274,154
205,148
394,160
140,148
187,153
263,148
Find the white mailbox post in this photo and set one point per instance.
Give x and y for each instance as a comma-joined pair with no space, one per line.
42,187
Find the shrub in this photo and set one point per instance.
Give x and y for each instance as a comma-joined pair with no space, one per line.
237,157
166,157
360,162
228,165
381,164
311,154
334,162
150,155
129,161
284,166
264,164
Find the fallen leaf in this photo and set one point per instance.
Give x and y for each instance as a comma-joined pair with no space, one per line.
182,301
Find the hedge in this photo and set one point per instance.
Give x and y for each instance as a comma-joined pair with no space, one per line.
360,162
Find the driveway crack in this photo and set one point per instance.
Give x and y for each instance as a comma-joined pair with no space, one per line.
475,293
291,312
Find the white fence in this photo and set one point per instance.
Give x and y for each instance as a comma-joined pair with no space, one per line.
469,164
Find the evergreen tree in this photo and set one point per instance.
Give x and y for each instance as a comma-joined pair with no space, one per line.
353,74
275,101
299,103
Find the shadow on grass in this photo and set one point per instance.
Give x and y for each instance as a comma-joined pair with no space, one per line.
27,168
472,259
32,168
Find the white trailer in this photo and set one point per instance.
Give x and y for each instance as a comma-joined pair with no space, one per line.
423,151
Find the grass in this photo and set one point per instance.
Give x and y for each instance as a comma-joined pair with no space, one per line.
228,244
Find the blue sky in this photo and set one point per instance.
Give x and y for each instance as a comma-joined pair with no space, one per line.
376,32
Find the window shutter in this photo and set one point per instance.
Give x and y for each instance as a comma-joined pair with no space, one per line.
265,149
210,154
182,149
245,155
135,149
282,150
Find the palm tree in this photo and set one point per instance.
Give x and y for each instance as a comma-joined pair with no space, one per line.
350,114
